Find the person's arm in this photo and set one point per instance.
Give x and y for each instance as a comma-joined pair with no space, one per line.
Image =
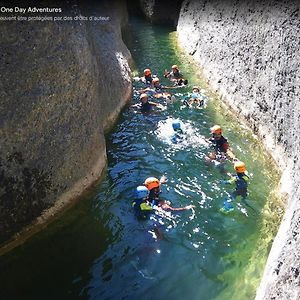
166,206
136,105
228,151
166,73
231,180
171,87
144,90
230,154
158,105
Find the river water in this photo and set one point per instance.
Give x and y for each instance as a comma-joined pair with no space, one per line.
99,250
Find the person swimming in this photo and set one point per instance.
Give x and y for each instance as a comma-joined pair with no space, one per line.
153,185
178,133
221,149
195,98
240,180
142,206
145,105
175,76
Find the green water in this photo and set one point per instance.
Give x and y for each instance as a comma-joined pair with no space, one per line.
98,250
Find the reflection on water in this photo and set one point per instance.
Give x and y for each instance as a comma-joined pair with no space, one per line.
98,250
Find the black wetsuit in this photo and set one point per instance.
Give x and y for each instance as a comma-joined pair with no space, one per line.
146,107
221,145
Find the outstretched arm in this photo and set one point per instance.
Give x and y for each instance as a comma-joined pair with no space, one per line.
230,154
158,105
166,206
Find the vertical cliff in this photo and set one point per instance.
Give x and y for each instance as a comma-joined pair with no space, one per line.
249,52
62,85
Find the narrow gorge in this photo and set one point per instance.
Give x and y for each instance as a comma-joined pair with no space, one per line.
65,87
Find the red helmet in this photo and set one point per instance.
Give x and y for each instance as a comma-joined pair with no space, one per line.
239,167
216,129
151,183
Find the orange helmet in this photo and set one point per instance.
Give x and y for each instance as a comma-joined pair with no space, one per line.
175,67
216,129
151,183
239,167
147,72
144,95
156,79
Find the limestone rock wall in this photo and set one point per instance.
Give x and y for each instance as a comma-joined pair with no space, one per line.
62,85
249,52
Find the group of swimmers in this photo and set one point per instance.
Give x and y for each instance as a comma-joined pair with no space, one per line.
147,196
153,88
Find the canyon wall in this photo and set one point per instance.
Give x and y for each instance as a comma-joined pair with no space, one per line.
249,53
62,86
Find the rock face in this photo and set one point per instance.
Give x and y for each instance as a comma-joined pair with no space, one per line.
161,12
249,52
62,85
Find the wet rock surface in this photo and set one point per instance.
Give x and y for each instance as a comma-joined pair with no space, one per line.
62,86
249,52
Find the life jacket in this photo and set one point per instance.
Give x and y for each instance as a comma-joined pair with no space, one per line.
141,208
241,181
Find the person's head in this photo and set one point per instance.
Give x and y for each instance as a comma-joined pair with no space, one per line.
155,81
239,167
141,192
153,185
175,68
195,89
144,98
147,72
176,125
216,131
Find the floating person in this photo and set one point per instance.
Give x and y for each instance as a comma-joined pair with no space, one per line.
195,99
165,205
153,185
157,90
145,105
142,206
241,186
221,147
175,76
178,133
147,79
